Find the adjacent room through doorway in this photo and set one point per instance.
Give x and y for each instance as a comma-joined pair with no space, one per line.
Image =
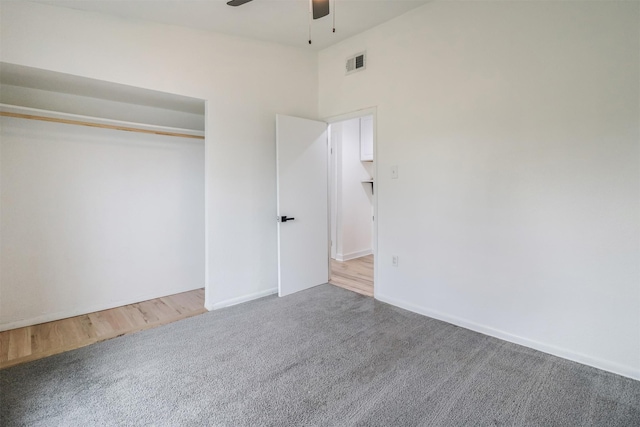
351,189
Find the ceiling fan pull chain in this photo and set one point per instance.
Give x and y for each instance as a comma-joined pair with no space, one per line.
310,18
334,16
309,27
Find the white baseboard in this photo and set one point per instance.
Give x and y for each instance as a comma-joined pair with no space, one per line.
50,317
605,365
240,300
353,255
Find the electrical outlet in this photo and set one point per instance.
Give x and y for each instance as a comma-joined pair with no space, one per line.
394,260
394,172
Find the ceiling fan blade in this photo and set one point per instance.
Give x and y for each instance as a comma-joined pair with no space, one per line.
320,8
237,2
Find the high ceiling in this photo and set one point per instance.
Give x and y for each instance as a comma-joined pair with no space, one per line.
280,21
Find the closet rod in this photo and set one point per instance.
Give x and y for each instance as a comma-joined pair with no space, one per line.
97,125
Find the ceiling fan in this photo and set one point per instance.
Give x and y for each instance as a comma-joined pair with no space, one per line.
320,8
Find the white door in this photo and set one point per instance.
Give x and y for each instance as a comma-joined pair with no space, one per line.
301,151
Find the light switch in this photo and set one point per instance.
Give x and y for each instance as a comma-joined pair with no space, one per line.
394,172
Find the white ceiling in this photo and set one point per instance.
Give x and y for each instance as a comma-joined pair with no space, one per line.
280,21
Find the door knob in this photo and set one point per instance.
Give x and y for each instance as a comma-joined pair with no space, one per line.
285,219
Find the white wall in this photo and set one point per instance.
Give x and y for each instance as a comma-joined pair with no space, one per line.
354,221
95,218
515,126
245,83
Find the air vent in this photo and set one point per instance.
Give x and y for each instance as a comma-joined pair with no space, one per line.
357,62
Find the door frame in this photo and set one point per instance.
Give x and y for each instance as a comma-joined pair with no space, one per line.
369,111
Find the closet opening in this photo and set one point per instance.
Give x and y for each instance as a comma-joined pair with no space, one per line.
352,202
102,209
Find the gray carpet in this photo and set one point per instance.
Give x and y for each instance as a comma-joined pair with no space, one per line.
324,357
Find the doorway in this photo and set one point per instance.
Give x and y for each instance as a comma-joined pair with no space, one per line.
316,216
352,202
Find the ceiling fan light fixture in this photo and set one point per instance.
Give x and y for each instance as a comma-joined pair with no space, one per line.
320,8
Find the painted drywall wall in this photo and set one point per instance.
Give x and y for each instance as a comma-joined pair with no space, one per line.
95,107
354,220
95,218
245,83
515,129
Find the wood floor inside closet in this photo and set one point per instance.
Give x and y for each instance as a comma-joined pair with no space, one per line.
46,339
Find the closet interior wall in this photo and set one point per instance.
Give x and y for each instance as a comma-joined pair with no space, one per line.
93,218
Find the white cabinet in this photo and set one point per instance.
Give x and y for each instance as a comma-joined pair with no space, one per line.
366,139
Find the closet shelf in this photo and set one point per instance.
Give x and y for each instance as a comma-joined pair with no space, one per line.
16,111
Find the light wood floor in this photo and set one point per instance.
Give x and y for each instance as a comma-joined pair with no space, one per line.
355,275
35,342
